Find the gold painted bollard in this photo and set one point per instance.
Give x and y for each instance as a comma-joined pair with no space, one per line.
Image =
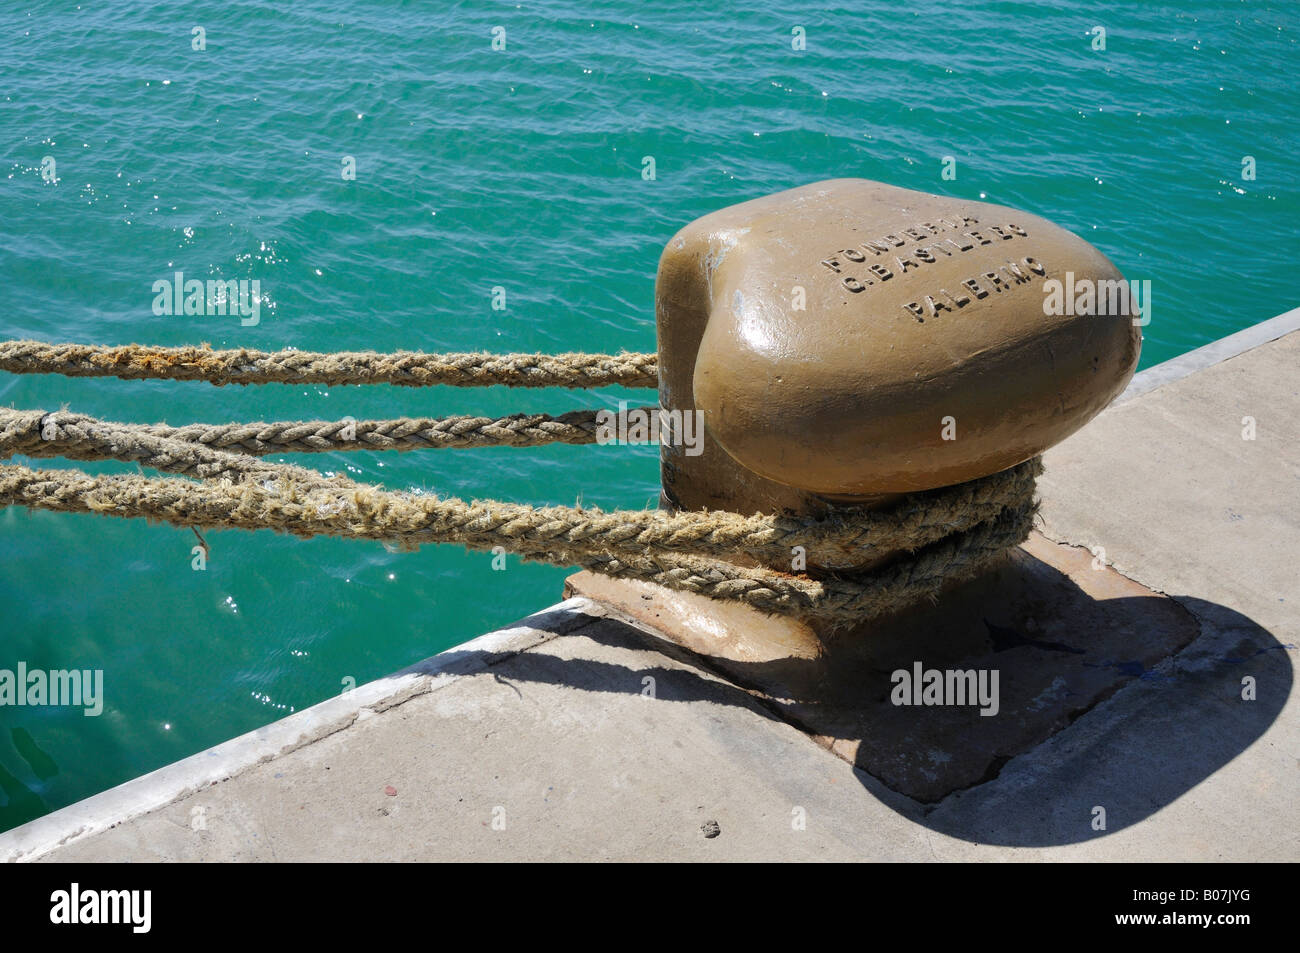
848,341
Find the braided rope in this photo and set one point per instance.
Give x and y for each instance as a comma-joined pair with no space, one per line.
362,512
403,433
947,534
848,537
405,368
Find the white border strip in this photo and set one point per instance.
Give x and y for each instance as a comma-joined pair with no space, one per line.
171,783
1214,353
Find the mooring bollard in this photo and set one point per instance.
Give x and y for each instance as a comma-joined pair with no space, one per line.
852,347
849,341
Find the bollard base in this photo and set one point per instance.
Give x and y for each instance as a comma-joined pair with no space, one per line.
939,697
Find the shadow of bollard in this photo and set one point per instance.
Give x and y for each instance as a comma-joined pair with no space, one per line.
1037,644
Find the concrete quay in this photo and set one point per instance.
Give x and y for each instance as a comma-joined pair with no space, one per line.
1145,638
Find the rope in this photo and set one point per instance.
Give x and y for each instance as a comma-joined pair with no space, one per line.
405,368
848,537
404,433
944,535
362,512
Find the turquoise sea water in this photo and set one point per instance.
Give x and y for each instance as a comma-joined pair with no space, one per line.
518,168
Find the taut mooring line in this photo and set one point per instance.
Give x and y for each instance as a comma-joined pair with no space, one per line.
457,432
403,368
363,512
847,537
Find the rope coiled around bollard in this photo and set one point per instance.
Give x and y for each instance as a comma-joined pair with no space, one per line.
846,537
944,535
954,533
360,512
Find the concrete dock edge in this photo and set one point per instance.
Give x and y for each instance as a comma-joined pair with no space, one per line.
177,780
1210,354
